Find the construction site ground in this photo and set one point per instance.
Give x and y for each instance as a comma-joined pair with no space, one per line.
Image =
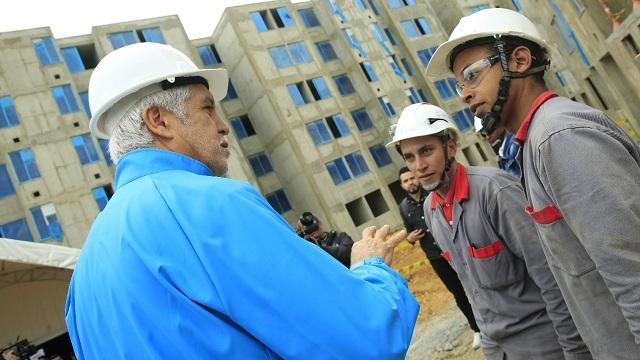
441,332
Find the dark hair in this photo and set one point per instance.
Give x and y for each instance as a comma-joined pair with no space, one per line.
403,170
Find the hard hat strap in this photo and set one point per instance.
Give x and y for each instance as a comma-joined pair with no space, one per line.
491,119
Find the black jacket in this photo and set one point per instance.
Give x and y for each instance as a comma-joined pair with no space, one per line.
412,213
337,244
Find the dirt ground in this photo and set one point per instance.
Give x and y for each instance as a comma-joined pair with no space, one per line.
442,331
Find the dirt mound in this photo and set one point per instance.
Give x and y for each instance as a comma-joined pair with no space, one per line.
410,261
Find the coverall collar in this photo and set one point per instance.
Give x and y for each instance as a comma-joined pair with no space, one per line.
523,131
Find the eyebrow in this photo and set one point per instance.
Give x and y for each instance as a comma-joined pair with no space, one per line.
208,101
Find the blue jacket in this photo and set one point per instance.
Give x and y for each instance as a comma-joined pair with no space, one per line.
183,264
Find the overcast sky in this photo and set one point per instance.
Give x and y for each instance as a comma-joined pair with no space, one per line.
76,17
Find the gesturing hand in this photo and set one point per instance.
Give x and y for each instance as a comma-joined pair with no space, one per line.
373,243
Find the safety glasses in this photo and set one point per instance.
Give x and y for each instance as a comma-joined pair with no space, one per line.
473,74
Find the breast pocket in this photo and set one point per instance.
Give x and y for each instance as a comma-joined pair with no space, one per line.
567,254
494,265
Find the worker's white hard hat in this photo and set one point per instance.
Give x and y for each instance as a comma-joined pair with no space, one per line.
485,23
130,73
420,120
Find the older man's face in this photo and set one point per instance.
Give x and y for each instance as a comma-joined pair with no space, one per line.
203,136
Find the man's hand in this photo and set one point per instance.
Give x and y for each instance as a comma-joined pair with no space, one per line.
415,235
373,243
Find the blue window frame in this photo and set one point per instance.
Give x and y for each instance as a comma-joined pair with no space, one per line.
327,53
282,17
338,171
24,164
423,96
84,97
374,7
386,106
407,66
85,149
517,5
362,119
463,119
425,55
104,146
295,92
47,222
353,42
259,21
6,186
566,33
560,77
152,35
392,39
444,89
477,8
423,26
73,59
279,201
209,55
357,164
299,53
380,155
361,5
65,99
394,4
345,87
367,69
409,28
280,57
338,126
231,92
412,95
260,164
309,18
286,55
46,50
17,230
8,114
100,196
123,38
319,88
242,126
319,132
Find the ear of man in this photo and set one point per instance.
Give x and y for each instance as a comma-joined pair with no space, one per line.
521,59
159,123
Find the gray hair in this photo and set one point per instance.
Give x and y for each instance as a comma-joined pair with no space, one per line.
130,133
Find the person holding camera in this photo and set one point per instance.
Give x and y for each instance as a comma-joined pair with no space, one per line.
337,244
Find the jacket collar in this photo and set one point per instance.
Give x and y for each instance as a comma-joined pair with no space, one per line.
142,162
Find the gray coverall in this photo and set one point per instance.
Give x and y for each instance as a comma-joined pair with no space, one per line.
493,246
581,174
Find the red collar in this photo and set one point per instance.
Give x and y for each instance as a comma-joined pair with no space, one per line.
523,131
459,189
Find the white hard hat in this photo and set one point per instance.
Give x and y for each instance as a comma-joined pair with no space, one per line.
420,120
128,74
483,24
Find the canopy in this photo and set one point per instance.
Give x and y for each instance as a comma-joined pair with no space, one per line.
34,278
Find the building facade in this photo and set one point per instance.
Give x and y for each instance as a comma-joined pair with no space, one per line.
314,87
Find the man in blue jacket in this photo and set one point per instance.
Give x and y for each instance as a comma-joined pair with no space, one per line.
185,263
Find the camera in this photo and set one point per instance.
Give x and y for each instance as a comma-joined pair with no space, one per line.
309,223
